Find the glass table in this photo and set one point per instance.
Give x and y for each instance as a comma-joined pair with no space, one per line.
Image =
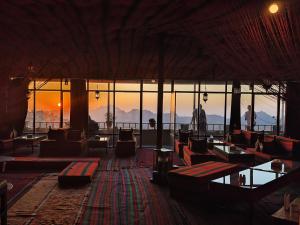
237,155
101,142
256,182
30,140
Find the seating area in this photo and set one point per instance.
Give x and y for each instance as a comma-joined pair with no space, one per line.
126,145
63,142
150,112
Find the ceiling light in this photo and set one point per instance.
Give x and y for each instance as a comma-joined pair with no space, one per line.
205,97
273,8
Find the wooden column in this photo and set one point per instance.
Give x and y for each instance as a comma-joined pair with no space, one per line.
141,112
235,115
252,109
79,105
61,118
160,94
225,111
292,121
278,111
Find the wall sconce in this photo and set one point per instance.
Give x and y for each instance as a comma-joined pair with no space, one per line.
267,84
97,93
205,97
66,82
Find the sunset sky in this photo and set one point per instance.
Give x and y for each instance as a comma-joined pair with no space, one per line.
49,100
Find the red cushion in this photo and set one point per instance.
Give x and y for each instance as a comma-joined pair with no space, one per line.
192,158
78,173
202,173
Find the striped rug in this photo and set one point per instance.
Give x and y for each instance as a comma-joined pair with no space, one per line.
128,197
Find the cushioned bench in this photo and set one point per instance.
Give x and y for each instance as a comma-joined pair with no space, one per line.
78,173
190,180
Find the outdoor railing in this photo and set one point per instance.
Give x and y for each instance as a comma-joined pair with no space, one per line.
44,126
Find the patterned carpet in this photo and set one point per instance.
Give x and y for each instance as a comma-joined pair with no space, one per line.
21,181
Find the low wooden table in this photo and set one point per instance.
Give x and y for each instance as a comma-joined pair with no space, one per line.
28,140
283,217
102,142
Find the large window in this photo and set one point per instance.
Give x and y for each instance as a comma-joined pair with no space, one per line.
118,105
48,105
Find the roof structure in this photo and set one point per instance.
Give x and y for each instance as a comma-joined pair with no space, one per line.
118,39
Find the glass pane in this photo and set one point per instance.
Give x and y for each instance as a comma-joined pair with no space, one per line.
150,86
28,128
185,87
229,96
245,102
266,113
149,112
98,108
93,86
214,109
184,110
213,87
66,84
47,110
48,85
127,112
130,86
66,109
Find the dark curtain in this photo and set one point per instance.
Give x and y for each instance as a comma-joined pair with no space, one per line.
292,121
14,105
235,115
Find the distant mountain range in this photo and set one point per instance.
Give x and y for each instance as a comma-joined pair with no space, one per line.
133,116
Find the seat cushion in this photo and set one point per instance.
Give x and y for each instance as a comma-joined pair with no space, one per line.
125,134
78,173
192,177
74,135
58,135
198,145
192,158
184,136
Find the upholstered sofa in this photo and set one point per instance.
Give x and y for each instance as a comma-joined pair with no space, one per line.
6,142
126,145
63,142
183,137
197,152
270,147
243,138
